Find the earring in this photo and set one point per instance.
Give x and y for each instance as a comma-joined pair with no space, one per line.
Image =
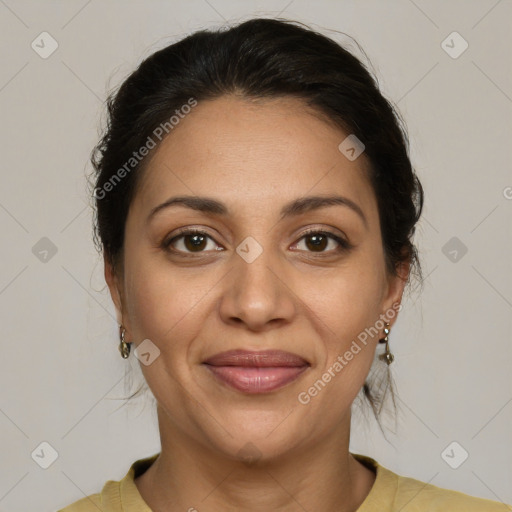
124,347
388,357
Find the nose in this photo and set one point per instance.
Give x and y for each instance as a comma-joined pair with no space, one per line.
258,294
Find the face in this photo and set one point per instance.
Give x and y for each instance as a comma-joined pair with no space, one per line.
254,279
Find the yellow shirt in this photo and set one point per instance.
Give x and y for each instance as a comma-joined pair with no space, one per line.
389,493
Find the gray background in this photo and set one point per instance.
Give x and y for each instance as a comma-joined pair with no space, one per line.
60,370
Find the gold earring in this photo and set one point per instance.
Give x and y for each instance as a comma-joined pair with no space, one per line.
388,357
124,347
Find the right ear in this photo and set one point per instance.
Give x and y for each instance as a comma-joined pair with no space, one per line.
113,285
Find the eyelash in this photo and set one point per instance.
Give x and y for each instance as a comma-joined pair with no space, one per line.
344,245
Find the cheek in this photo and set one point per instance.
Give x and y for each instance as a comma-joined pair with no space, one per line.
347,345
161,304
348,300
348,304
164,308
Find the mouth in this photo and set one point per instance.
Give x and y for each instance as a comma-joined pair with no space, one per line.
256,372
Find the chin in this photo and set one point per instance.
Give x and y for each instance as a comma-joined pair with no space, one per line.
258,440
256,451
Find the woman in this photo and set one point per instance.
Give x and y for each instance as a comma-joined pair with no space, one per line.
256,206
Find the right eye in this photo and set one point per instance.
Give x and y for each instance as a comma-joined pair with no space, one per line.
189,241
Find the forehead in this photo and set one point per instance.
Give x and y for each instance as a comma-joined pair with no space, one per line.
253,154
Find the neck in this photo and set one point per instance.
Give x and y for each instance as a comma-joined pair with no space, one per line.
320,476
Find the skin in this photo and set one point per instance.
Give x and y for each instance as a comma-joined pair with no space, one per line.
254,157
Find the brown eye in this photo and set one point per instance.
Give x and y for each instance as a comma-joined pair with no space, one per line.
318,241
193,242
189,241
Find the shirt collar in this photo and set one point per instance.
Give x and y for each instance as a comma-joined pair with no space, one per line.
381,495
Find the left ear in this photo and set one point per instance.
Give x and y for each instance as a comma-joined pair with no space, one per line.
396,286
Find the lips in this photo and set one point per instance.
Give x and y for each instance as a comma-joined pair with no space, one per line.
256,372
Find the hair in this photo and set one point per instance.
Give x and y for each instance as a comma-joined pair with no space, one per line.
259,59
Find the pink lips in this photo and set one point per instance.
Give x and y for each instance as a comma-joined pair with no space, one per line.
256,372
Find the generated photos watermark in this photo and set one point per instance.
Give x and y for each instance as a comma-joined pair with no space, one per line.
304,397
158,133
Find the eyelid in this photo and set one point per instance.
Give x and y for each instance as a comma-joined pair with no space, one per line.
181,232
343,243
341,240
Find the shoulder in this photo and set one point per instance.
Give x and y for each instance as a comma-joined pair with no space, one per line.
116,493
416,496
88,504
394,492
106,501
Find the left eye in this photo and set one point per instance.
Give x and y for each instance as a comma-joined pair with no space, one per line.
318,241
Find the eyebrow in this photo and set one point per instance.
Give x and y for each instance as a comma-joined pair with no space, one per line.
293,208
